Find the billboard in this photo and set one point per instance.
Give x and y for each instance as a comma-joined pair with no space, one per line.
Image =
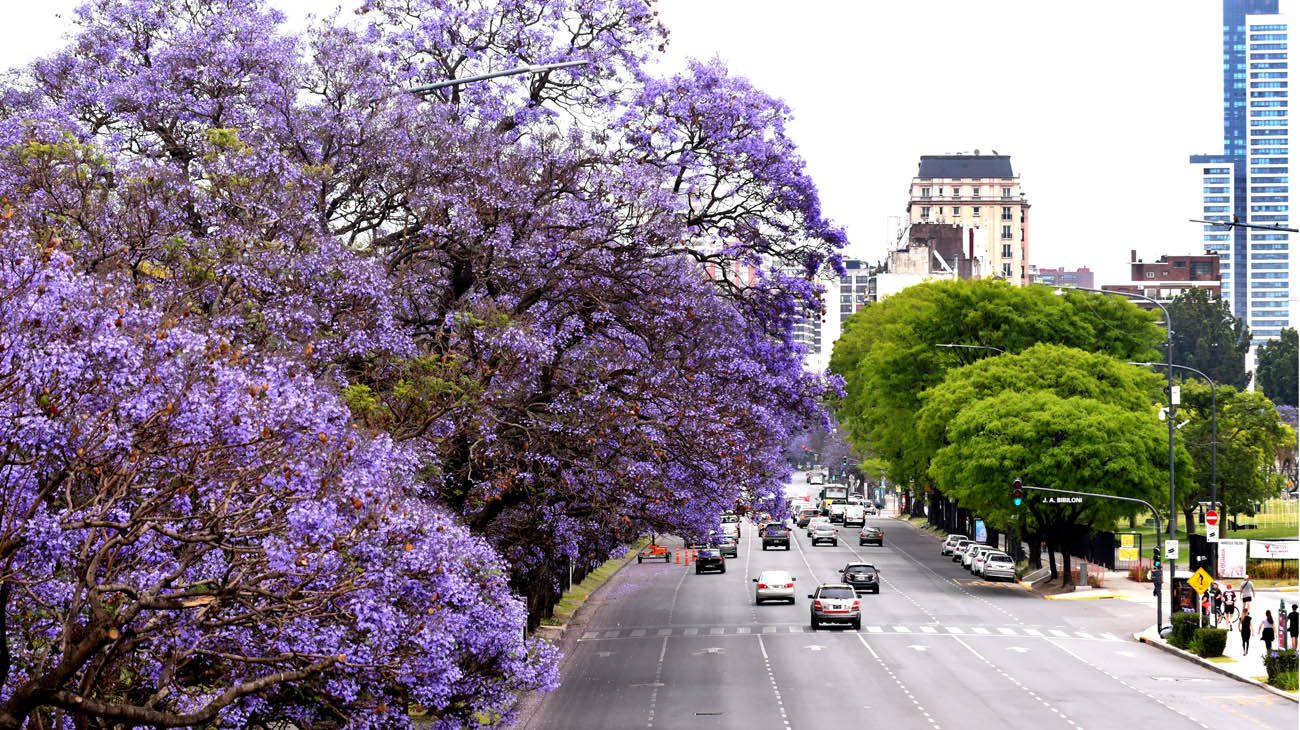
1275,549
1232,559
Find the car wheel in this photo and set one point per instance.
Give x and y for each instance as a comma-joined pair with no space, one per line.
815,624
723,569
638,558
792,601
698,571
787,546
857,625
876,590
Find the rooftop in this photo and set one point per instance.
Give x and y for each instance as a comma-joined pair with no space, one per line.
965,166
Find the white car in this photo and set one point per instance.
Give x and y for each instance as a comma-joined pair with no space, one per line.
969,553
836,511
977,562
959,548
951,542
854,515
774,585
979,552
819,520
999,565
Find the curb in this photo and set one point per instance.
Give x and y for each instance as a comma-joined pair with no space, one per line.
1161,645
1084,596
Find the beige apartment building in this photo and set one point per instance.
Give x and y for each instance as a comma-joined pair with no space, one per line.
982,194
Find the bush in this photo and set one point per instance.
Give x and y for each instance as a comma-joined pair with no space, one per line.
1209,642
1184,625
1287,681
1281,667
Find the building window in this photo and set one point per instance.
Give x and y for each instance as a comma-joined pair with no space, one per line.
975,191
925,212
1151,274
1006,270
956,192
1006,193
975,211
956,210
1006,233
1006,250
925,192
1006,213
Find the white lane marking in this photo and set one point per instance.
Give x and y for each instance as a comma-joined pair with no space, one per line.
1006,632
690,632
928,630
1162,703
1108,636
1033,632
664,632
933,723
956,630
771,678
637,632
981,630
902,630
875,629
1083,635
1016,682
769,629
1058,632
716,630
659,674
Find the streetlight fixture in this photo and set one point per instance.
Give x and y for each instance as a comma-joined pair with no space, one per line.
1169,384
536,68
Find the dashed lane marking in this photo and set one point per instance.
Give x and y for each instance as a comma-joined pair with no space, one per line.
1017,683
1134,688
906,692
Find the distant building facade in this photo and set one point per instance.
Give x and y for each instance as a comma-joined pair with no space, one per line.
1171,275
843,295
980,193
1249,182
1082,276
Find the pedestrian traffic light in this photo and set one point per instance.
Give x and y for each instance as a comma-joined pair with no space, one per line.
1155,558
1017,493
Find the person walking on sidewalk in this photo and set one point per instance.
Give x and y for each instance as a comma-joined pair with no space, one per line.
1247,592
1245,631
1266,631
1293,626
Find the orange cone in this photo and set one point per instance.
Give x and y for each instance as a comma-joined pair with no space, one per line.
677,556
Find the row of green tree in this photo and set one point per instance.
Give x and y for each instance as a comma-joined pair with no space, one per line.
1043,389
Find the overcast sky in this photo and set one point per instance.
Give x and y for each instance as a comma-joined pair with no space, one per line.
1098,104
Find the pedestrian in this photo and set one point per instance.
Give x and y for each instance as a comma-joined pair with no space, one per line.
1247,592
1293,626
1266,632
1245,631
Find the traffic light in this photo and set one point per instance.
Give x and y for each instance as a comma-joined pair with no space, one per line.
1017,493
1156,560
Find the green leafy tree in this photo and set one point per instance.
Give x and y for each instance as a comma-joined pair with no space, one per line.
1279,368
1250,435
1208,338
887,353
1055,417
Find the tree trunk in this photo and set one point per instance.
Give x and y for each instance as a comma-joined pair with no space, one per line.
1051,561
1067,577
1188,513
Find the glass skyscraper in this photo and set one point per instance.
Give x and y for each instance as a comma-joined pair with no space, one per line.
1249,182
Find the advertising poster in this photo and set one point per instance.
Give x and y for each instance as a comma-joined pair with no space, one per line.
1232,558
981,534
1275,549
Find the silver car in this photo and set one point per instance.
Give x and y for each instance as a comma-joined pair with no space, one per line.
950,542
977,562
999,565
969,554
959,548
825,532
774,585
819,520
835,602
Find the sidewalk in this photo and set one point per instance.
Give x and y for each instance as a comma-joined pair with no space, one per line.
1248,669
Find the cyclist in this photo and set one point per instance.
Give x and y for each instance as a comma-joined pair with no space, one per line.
1229,603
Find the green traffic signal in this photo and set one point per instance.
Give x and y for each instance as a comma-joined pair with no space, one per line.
1017,494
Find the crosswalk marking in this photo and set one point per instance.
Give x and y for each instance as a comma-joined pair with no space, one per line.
1083,634
1033,632
902,630
1108,636
769,629
1058,632
742,630
717,631
690,632
664,632
1006,631
590,634
875,629
638,632
955,630
927,630
981,630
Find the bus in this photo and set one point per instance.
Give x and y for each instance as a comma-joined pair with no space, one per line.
833,494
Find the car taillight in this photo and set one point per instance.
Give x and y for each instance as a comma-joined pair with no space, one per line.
855,605
817,605
789,585
762,585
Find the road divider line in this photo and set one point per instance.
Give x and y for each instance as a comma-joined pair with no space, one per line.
907,692
1134,688
1016,682
659,675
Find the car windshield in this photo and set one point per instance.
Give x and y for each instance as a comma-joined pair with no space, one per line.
860,569
773,576
837,592
773,530
708,553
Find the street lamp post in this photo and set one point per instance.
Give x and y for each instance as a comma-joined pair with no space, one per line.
1169,384
1214,428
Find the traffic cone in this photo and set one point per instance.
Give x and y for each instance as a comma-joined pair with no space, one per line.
677,556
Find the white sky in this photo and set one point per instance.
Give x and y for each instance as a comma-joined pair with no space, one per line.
1098,104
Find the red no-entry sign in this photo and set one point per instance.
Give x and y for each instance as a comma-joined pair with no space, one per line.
1211,517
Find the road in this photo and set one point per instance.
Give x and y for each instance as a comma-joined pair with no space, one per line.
667,648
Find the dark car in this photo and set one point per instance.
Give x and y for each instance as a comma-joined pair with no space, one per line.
869,535
710,559
775,534
862,576
805,514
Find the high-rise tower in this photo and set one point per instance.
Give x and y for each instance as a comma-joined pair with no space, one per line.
1249,182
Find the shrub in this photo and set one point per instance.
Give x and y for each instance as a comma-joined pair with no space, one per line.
1287,681
1209,642
1184,624
1281,667
1140,572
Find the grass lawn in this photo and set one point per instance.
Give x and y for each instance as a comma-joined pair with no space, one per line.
573,599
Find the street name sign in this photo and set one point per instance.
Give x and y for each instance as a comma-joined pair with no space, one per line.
1200,580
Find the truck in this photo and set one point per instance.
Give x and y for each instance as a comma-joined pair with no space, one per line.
855,514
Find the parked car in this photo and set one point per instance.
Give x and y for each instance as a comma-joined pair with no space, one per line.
960,548
854,515
818,520
999,565
774,585
775,534
862,576
952,540
835,603
969,554
870,535
977,562
709,559
825,532
805,514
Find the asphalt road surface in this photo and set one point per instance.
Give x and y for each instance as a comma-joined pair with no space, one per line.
667,648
